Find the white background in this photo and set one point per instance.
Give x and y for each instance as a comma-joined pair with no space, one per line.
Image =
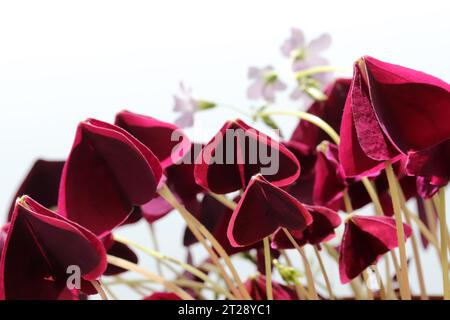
64,61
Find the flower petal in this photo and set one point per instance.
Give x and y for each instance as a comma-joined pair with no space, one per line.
3,233
52,243
262,210
398,91
432,165
324,222
370,135
180,176
156,209
165,140
352,157
238,152
41,183
365,239
107,173
295,42
319,44
329,183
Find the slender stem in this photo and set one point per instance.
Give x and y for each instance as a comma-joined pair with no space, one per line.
444,234
109,291
284,254
424,230
300,290
368,288
383,294
209,267
139,289
430,212
389,287
403,276
134,285
97,285
118,280
215,259
155,246
324,273
396,268
122,263
416,254
195,285
431,217
373,194
371,190
319,69
218,247
153,253
348,204
268,265
202,233
180,282
171,199
308,271
189,268
307,117
395,262
224,200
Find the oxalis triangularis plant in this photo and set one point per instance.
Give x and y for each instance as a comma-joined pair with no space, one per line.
378,139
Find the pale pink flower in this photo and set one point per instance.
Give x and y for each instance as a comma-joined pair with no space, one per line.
265,85
186,105
304,56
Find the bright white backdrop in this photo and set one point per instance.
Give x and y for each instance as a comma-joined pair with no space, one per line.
64,61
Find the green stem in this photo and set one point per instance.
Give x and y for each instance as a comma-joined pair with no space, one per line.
403,276
268,265
155,246
324,273
415,248
202,234
97,285
383,293
317,70
224,200
307,117
111,293
189,268
127,265
348,205
308,271
373,195
369,292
